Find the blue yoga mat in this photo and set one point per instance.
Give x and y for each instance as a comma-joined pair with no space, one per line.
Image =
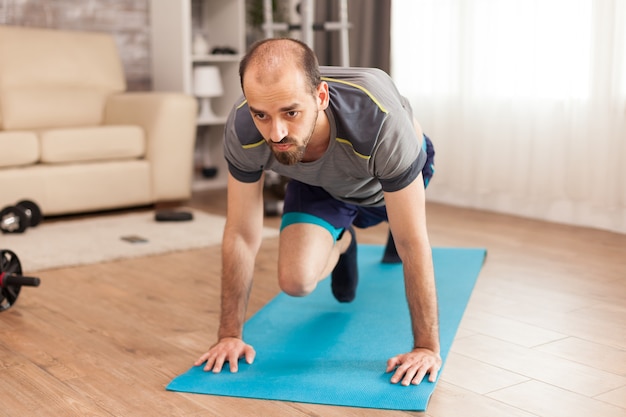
316,350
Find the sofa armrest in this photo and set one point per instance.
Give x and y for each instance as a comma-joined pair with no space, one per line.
169,122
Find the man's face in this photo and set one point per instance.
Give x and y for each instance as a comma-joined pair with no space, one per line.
284,111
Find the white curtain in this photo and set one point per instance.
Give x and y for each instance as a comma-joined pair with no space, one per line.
525,101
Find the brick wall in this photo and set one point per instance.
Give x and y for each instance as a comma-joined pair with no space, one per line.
126,20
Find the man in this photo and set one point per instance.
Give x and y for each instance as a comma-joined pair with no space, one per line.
355,156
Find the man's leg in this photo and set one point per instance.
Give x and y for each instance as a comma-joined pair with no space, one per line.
313,243
308,253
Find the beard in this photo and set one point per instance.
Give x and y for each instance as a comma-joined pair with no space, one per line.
292,156
296,153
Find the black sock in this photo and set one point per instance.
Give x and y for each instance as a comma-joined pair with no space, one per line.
345,276
391,254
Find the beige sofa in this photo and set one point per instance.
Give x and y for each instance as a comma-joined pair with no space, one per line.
72,139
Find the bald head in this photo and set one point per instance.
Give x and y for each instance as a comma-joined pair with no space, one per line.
269,59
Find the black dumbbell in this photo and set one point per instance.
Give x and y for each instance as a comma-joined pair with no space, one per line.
17,218
11,279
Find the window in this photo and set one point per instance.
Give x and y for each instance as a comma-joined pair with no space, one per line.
496,48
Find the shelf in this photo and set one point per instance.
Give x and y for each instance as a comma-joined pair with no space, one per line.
223,23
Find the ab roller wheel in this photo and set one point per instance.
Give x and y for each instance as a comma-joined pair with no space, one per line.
11,279
17,218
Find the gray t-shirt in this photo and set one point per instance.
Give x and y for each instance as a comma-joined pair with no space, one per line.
373,144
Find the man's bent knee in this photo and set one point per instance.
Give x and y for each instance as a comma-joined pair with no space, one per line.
295,286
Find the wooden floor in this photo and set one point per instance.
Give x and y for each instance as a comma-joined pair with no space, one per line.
544,333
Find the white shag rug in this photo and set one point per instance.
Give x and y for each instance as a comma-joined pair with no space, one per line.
100,239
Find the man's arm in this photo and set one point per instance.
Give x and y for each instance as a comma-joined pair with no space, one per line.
240,244
407,219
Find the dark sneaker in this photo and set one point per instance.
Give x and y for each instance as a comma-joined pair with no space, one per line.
345,276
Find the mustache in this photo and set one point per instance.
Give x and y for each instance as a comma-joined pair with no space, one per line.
286,140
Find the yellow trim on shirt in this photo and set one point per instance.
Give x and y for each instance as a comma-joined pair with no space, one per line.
253,145
347,142
380,106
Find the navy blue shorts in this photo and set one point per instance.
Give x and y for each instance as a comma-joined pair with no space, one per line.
310,204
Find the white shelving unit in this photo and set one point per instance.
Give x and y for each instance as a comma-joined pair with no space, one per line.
173,25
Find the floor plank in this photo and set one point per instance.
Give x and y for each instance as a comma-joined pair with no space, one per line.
478,376
597,355
450,400
547,400
616,397
540,366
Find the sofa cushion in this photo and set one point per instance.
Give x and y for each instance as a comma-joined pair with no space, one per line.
49,57
18,148
92,144
43,108
40,66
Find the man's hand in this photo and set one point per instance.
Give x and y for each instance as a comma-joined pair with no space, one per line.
228,349
413,366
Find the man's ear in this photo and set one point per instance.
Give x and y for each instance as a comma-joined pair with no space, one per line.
323,96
